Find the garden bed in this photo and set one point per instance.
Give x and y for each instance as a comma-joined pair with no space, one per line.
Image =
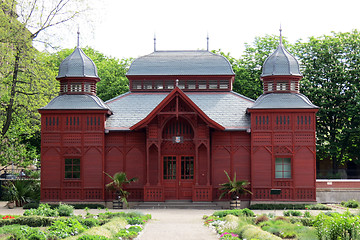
46,223
243,224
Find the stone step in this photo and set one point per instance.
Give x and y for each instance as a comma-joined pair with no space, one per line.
177,205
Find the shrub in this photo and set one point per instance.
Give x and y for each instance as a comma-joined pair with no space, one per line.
252,232
65,210
126,234
281,218
28,233
32,205
292,213
307,214
235,212
261,218
317,207
42,210
350,204
337,226
89,222
66,228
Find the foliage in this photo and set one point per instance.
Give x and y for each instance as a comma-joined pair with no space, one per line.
92,237
66,228
292,213
307,214
117,185
272,206
42,210
31,205
261,218
234,187
338,226
22,191
235,212
331,81
318,206
65,210
28,233
350,204
31,221
26,81
126,234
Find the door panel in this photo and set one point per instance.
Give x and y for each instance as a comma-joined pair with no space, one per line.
178,176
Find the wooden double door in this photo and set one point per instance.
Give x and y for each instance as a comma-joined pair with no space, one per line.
178,176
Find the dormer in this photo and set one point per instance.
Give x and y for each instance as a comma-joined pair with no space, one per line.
281,72
78,74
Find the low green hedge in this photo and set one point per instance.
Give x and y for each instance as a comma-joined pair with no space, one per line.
31,221
267,206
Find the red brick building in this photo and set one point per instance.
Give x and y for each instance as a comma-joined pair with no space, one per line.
177,129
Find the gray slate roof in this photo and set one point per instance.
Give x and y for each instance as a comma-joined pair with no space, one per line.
281,62
77,64
180,63
226,108
76,102
283,101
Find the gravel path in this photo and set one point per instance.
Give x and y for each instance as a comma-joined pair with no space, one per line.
177,224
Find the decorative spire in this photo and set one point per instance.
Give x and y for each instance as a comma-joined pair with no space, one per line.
207,42
280,34
78,37
154,42
177,83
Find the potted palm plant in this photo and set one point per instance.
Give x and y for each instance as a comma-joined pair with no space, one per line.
117,186
234,188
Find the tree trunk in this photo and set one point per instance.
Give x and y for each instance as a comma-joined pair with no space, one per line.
10,109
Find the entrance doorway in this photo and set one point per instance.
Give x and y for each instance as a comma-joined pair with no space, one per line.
178,176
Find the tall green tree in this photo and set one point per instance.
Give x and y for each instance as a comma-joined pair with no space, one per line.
331,68
25,83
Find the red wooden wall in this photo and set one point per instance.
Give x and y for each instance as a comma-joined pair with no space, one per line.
66,135
283,134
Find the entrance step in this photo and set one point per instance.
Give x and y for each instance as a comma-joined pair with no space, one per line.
177,205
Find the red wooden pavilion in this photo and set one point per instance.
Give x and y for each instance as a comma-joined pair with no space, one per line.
177,129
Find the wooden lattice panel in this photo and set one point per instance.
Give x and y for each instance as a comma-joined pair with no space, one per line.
261,193
93,194
261,122
260,139
153,194
72,184
281,150
305,139
305,194
50,194
72,123
72,139
93,139
93,123
283,138
202,194
51,139
72,193
152,131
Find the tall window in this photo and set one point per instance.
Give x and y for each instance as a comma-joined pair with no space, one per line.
282,167
72,168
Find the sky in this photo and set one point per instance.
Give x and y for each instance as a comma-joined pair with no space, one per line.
126,28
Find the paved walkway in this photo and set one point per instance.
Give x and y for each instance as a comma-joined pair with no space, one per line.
177,224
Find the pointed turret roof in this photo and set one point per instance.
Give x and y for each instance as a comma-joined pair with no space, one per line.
281,63
77,64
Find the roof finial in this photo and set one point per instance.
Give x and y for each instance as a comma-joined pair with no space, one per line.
78,37
154,42
207,42
177,83
280,34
